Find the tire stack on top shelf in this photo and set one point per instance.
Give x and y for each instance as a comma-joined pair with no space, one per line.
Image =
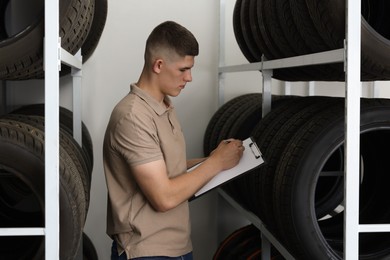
21,36
299,192
285,28
22,166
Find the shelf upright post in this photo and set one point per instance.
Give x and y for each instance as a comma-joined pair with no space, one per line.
266,108
311,88
77,108
352,129
287,88
77,79
374,91
266,88
52,63
221,75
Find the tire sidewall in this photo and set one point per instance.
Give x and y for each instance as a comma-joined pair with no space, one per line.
302,199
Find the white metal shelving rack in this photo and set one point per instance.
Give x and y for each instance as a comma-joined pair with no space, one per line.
54,55
350,56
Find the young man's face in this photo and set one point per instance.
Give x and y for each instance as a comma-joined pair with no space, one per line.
175,74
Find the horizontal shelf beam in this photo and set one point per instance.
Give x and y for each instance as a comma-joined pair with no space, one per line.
374,228
334,56
70,60
258,223
22,231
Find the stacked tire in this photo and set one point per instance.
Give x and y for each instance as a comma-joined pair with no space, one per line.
21,35
299,192
22,185
308,180
22,138
285,28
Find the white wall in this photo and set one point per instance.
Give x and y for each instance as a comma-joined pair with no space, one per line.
118,61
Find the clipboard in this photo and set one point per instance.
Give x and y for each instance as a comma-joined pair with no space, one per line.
251,158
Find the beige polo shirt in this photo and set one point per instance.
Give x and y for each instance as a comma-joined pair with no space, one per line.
142,130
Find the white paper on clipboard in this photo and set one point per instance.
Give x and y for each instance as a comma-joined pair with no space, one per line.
251,158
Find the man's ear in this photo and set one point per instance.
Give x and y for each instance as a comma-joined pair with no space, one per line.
157,65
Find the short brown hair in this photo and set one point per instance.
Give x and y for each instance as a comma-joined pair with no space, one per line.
171,36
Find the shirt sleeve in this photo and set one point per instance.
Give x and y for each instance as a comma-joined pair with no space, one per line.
136,138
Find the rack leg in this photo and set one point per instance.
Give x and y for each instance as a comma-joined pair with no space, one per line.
352,130
221,76
52,63
311,88
267,91
77,93
265,247
287,88
374,91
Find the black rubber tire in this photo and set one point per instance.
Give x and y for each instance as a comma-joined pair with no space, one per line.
329,18
97,27
375,56
258,31
89,250
240,125
272,135
289,28
231,242
243,244
292,35
68,143
246,30
270,48
255,29
217,124
227,114
209,139
299,173
247,111
21,142
239,36
243,118
330,23
305,26
298,27
313,39
274,29
20,206
66,123
22,54
93,37
285,49
270,44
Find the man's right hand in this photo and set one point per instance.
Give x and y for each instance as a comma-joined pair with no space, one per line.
228,153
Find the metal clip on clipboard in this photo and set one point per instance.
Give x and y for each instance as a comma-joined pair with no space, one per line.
249,161
255,149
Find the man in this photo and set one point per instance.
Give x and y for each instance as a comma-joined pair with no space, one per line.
145,156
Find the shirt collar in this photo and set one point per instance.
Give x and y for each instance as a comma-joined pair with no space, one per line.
158,107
